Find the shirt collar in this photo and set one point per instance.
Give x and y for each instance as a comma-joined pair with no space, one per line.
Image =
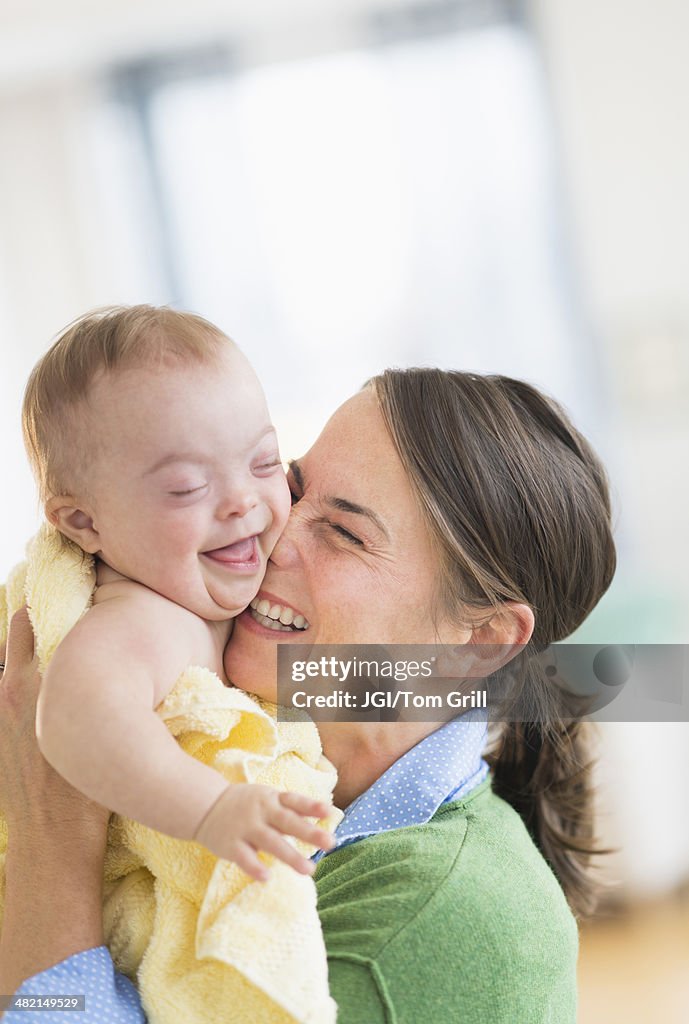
446,765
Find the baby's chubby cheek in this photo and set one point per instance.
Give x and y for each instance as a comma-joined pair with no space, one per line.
282,506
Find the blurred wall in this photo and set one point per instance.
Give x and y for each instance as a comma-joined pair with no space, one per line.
619,78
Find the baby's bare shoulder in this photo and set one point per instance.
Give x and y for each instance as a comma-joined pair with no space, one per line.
150,625
130,625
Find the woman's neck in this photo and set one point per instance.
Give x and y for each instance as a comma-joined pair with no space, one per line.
362,752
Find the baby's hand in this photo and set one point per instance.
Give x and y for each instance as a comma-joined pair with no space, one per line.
247,818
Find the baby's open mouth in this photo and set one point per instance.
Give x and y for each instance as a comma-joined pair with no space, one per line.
279,617
242,552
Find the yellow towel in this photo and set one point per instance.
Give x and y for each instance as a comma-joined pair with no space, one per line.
202,941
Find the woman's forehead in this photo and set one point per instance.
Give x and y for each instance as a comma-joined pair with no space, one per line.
355,439
357,421
355,458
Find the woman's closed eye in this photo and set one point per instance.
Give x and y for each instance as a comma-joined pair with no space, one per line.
294,481
316,520
349,537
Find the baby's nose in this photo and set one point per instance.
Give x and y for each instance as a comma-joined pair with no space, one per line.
238,502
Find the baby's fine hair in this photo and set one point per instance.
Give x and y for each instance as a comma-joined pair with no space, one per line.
100,342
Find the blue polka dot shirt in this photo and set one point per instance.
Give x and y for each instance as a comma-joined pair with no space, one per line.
444,766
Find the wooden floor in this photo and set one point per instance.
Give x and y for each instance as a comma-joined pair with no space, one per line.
634,967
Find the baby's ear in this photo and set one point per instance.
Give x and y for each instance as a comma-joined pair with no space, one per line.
66,515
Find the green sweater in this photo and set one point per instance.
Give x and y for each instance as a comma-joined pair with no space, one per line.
458,921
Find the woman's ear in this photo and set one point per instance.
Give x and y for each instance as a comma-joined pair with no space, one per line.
67,515
489,643
511,626
504,635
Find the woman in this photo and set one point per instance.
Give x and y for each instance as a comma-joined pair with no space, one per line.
435,507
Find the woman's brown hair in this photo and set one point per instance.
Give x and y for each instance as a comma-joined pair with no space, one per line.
518,506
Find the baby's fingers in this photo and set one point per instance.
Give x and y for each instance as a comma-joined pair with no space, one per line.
272,842
247,859
294,825
306,805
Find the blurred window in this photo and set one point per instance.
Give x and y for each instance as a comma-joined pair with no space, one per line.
392,204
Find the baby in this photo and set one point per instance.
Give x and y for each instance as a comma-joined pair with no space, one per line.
150,437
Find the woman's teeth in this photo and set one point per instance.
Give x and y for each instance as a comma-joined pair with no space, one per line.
277,616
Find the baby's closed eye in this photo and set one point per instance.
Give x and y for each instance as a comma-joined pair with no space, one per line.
182,492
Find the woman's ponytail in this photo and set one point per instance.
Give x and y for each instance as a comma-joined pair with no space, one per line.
517,503
544,772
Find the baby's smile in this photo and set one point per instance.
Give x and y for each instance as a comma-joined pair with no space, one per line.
241,555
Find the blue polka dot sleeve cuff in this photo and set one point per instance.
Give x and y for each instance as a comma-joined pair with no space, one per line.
110,997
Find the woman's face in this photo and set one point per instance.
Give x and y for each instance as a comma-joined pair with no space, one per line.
355,559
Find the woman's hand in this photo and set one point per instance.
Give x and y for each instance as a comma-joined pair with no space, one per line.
34,799
56,836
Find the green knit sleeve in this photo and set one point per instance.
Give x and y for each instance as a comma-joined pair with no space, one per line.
354,988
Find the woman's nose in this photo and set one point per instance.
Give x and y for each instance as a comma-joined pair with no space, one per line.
287,551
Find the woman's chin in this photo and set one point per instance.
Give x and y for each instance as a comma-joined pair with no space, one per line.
250,658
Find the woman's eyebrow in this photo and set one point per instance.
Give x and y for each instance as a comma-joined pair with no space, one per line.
295,470
341,504
344,505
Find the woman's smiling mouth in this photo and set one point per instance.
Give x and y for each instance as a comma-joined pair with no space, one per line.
279,617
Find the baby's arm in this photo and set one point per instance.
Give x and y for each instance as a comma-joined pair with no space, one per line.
96,725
